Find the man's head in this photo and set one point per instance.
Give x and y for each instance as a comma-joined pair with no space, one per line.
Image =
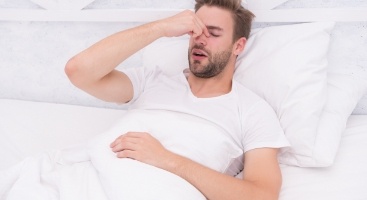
242,17
229,25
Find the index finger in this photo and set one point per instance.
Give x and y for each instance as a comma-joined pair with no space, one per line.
203,27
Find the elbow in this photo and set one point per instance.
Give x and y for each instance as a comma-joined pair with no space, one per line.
71,68
73,71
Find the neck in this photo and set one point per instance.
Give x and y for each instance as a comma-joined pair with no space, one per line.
211,87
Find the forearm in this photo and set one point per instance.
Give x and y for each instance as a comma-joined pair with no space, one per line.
215,185
262,178
101,58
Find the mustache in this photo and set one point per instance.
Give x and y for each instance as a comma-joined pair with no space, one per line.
200,47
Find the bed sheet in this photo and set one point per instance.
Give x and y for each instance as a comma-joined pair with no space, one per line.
346,179
27,128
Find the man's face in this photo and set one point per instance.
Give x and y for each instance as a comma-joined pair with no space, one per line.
208,56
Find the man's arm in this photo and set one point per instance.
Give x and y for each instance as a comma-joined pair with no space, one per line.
93,70
261,181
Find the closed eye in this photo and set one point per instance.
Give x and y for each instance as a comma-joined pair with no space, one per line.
214,30
213,34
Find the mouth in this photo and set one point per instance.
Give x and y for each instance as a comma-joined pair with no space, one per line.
198,54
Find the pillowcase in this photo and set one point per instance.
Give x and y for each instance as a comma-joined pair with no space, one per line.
170,55
287,66
290,76
345,88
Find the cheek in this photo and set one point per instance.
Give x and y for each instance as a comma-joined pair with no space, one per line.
219,42
191,41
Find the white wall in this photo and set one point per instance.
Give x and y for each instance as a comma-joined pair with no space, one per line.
33,54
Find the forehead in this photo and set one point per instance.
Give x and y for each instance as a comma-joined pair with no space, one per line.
217,17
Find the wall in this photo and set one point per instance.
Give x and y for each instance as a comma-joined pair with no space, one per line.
33,54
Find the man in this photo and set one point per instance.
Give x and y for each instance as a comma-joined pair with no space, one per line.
208,89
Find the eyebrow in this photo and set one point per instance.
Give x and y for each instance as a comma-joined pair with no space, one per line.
214,28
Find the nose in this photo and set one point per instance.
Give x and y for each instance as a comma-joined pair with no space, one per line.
201,39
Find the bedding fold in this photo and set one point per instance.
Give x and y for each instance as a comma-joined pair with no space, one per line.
61,174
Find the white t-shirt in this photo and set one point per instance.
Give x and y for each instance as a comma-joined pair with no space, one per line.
216,131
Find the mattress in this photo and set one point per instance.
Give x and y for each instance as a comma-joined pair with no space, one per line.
28,128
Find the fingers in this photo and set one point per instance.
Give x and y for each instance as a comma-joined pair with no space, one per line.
123,145
140,146
186,22
202,29
198,27
127,136
127,154
126,141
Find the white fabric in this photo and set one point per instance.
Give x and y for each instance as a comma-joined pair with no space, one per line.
27,128
56,175
38,129
346,179
194,137
160,54
287,66
247,120
69,173
212,131
130,179
345,89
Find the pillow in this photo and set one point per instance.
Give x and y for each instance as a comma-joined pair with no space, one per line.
312,102
171,55
287,66
345,88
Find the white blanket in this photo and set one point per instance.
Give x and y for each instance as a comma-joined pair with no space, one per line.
21,137
65,174
70,174
92,171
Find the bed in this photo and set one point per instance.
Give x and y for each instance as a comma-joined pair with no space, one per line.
346,179
317,94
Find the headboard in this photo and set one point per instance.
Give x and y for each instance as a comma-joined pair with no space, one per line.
264,10
39,36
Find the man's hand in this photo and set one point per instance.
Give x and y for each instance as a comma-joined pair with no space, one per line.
142,147
185,22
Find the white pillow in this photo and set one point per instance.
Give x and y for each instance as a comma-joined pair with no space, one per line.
312,102
287,66
171,55
345,88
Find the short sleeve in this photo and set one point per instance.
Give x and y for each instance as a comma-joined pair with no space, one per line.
262,128
140,78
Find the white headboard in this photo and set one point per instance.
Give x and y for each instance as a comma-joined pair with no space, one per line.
68,10
39,36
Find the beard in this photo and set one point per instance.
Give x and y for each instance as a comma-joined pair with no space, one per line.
216,63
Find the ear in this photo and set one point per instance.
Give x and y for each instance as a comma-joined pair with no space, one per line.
239,46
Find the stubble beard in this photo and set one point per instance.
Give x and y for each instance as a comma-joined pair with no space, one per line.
216,63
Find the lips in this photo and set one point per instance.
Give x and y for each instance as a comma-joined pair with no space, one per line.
198,54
